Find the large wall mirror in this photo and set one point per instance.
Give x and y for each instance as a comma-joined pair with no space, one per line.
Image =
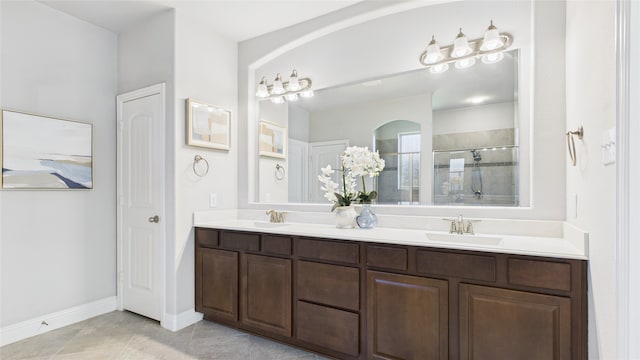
458,138
447,139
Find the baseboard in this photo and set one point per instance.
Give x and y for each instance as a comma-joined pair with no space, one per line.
175,322
16,332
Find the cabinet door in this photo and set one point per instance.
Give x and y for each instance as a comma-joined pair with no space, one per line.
407,317
266,293
508,324
217,283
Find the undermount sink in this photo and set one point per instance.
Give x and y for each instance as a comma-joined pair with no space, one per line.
266,224
464,239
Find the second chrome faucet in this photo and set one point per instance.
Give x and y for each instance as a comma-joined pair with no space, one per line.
458,226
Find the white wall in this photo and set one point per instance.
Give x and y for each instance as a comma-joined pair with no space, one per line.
392,43
473,118
591,101
145,57
58,248
206,69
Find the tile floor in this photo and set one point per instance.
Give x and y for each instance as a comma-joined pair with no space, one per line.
124,335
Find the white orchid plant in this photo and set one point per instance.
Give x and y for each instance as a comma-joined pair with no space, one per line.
356,161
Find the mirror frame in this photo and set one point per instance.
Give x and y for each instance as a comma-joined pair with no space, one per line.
549,205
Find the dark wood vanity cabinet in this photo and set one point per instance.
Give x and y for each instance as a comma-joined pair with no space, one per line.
217,283
266,293
359,300
506,324
239,288
328,299
407,317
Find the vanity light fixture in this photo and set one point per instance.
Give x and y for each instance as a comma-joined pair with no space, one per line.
461,46
464,52
280,91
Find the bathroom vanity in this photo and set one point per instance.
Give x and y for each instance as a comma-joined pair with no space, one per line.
357,296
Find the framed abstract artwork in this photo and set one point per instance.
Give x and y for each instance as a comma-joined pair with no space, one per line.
272,140
41,152
208,126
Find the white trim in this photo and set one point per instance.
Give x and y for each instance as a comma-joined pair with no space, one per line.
22,330
122,98
182,320
622,178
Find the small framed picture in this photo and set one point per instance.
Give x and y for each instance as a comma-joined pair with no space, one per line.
208,126
273,140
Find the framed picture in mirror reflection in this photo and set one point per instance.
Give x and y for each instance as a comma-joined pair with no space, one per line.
208,126
272,140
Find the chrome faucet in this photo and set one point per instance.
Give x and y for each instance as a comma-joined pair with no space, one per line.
276,216
458,226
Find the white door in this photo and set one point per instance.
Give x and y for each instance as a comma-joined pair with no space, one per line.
141,190
323,154
298,161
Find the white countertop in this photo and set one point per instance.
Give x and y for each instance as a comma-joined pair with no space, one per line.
568,242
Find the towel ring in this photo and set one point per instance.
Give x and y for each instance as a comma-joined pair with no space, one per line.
280,172
572,145
200,166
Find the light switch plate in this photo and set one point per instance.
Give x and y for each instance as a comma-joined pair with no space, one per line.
609,146
213,200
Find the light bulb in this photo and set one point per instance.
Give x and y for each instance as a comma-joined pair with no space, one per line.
291,97
294,84
465,63
433,52
263,91
491,39
307,93
277,86
277,100
440,68
492,58
461,46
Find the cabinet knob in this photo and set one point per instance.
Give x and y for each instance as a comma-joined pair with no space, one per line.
154,219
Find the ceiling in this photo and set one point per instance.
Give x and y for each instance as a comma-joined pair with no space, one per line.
237,20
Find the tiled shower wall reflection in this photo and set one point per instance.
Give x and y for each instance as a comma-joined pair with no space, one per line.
390,190
459,180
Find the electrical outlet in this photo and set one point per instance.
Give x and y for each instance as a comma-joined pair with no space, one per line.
213,200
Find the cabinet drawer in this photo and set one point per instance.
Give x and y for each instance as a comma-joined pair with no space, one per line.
541,274
240,241
330,328
344,252
387,257
280,245
206,237
477,267
329,284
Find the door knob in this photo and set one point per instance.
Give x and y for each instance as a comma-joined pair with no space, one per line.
154,219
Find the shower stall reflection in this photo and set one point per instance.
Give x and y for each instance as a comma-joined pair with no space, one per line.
487,176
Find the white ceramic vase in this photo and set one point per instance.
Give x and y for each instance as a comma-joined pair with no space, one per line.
346,217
